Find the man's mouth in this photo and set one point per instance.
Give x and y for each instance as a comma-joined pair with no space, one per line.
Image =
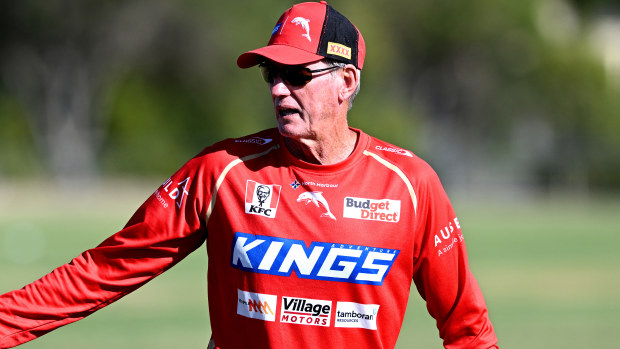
287,111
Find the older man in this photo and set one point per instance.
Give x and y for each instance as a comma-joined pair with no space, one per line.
315,230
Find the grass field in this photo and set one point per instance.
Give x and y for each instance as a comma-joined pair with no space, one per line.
549,269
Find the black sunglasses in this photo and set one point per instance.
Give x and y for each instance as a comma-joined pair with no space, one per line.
292,75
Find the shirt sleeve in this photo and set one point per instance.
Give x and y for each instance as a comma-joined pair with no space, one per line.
164,230
442,275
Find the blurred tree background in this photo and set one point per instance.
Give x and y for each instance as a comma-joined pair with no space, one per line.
521,96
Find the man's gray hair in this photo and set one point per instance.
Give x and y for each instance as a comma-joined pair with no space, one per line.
333,63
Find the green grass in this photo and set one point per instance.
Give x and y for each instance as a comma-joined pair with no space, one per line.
549,270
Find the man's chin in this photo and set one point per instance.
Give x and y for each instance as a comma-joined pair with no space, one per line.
289,131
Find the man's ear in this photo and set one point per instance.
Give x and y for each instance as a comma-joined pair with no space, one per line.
351,78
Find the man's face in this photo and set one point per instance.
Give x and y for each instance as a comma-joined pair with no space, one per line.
308,110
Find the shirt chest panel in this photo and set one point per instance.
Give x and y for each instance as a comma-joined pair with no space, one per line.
357,209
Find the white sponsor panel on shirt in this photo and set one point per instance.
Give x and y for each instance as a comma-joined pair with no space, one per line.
305,311
262,199
257,305
350,314
384,210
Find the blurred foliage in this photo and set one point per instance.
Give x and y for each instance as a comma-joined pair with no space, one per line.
16,140
514,92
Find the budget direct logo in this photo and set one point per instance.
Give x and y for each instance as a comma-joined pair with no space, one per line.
383,210
262,199
303,311
256,305
350,314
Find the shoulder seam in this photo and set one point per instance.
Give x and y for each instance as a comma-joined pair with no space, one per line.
400,173
227,169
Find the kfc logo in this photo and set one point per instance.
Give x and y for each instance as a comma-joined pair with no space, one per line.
262,193
261,199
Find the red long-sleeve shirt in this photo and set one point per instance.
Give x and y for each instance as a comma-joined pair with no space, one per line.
299,254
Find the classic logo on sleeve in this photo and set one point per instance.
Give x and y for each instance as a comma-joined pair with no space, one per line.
262,199
305,311
321,261
350,314
383,210
254,140
257,305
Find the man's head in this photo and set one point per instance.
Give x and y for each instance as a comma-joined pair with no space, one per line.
312,64
309,32
314,108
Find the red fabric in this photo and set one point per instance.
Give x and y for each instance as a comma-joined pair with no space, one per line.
287,44
319,256
299,37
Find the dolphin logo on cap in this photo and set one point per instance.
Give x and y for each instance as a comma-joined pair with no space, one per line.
304,22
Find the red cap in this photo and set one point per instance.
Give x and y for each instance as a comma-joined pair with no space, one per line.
309,32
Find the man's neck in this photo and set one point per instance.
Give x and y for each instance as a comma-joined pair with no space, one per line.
326,150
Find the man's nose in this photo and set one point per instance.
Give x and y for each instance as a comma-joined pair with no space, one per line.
279,88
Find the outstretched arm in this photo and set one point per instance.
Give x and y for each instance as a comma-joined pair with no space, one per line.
165,229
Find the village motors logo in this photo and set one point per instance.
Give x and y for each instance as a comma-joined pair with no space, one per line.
257,305
304,311
262,199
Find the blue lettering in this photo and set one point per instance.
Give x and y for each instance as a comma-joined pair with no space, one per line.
320,261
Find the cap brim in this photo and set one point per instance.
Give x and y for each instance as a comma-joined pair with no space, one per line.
278,53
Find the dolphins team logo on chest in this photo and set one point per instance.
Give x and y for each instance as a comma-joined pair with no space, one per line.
262,199
317,198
